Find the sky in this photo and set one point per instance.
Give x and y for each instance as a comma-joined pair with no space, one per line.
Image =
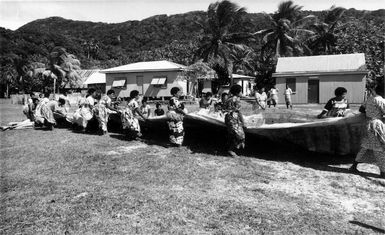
15,13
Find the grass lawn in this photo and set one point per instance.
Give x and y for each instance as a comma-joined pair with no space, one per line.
62,181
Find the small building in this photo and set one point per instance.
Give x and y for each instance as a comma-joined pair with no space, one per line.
210,85
152,79
314,78
96,80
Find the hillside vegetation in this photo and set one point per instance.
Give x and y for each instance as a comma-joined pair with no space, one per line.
174,37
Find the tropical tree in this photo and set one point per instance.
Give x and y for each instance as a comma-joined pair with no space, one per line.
325,37
243,60
287,32
220,37
198,71
62,68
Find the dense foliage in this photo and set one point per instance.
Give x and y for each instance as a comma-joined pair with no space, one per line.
179,37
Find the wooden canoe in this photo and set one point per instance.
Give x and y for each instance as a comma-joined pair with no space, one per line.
340,136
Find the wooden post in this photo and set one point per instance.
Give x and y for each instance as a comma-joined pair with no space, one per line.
54,88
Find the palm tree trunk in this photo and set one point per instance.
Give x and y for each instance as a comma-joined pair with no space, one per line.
7,92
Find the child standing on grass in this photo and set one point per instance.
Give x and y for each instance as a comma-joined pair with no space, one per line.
234,120
175,117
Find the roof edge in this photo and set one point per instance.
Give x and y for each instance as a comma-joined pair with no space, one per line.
143,71
317,73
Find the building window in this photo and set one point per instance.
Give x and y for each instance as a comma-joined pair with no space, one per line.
159,82
119,82
291,82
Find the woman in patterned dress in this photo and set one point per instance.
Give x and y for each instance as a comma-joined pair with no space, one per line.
373,144
130,123
103,110
85,111
44,115
175,117
234,120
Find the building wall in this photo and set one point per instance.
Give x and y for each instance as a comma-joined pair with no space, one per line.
146,89
300,97
354,83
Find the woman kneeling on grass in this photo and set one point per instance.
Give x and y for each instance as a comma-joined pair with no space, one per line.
130,122
59,111
85,113
175,116
373,144
103,110
44,115
234,120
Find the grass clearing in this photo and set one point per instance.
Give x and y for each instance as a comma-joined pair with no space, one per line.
53,182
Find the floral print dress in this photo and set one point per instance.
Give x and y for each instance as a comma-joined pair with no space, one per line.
175,123
102,112
234,122
43,114
373,144
129,122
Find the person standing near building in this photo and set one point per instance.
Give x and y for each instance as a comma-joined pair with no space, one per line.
288,93
260,99
273,96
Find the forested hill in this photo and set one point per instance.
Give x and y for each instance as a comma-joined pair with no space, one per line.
104,45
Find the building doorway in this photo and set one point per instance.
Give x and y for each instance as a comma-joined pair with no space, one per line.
313,91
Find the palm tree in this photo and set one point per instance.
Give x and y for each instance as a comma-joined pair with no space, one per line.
62,68
243,60
325,39
220,38
287,32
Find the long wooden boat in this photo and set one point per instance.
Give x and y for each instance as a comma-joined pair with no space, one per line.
339,136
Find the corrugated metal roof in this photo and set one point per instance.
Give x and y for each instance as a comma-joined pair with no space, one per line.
96,78
147,66
321,63
84,74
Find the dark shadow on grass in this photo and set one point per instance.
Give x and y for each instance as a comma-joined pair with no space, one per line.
213,140
375,229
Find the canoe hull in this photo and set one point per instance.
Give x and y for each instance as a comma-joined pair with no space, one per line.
339,136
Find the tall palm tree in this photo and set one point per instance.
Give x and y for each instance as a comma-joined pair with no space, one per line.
220,38
325,39
287,31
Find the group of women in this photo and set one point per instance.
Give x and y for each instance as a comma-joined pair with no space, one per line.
97,107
